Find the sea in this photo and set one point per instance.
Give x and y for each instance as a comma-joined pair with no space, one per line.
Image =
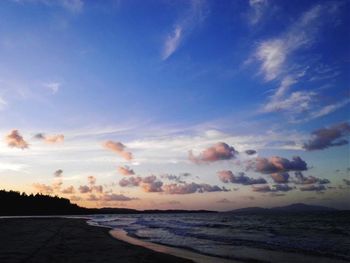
317,237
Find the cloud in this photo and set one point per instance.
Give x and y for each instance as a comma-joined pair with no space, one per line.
327,109
53,86
273,53
250,152
130,181
172,42
312,187
15,140
195,14
262,188
218,152
189,188
119,149
151,184
84,189
328,137
73,5
58,173
51,139
258,8
274,188
227,176
297,102
276,164
125,170
176,178
148,184
3,103
280,177
346,181
68,190
301,179
116,197
92,187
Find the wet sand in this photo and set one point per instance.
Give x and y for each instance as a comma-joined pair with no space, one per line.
43,240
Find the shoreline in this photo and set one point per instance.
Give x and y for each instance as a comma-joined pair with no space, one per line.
174,251
52,239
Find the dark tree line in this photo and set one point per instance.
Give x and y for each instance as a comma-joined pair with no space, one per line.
16,203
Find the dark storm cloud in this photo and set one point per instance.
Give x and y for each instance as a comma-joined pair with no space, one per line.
227,176
218,152
328,137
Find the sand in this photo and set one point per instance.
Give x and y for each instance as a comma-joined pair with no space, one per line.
43,240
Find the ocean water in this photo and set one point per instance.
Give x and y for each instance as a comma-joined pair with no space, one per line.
254,238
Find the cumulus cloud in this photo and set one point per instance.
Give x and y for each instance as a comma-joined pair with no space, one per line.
312,187
119,149
217,152
176,178
280,177
130,181
91,187
227,176
125,170
276,164
148,184
15,140
58,173
301,179
195,14
328,137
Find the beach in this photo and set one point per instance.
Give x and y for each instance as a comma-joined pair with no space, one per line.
68,240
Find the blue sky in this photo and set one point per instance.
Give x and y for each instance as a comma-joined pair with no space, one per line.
164,78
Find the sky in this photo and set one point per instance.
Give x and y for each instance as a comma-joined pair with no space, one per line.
188,104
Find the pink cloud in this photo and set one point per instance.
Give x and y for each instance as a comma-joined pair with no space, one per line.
15,140
218,152
119,149
125,170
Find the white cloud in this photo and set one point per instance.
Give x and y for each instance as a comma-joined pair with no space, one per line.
3,103
190,19
53,86
273,53
172,42
258,8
